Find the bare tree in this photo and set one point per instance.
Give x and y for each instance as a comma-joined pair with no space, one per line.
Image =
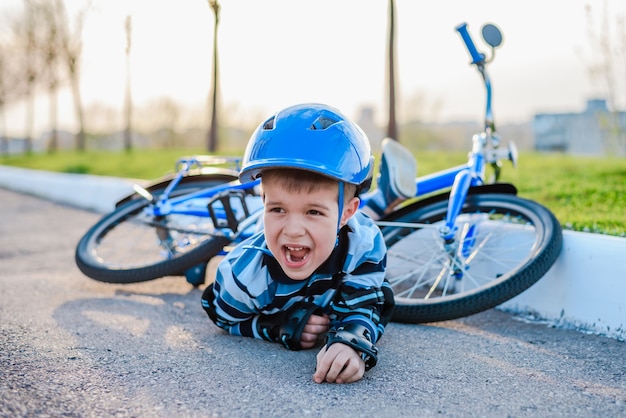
128,103
15,68
608,67
392,126
41,44
25,30
71,47
36,33
48,46
36,40
212,138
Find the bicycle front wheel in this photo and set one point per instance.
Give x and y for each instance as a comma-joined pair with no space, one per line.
132,245
503,245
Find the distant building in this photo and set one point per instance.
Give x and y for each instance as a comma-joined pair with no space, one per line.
588,133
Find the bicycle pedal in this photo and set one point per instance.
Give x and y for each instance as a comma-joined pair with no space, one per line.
226,216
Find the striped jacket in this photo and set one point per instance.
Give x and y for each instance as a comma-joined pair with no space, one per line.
349,286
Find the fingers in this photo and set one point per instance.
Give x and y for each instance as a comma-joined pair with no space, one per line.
308,340
315,326
318,320
338,363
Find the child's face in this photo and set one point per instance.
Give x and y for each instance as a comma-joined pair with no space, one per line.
301,227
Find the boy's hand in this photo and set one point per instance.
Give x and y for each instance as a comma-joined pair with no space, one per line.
315,326
338,363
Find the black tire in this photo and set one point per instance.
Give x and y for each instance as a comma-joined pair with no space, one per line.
516,242
124,247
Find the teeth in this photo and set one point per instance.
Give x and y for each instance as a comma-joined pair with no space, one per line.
288,253
289,258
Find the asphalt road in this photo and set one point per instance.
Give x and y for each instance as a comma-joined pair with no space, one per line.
71,346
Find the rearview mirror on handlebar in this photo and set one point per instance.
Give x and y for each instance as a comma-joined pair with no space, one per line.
492,35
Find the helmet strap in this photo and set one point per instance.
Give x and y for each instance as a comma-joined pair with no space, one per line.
340,205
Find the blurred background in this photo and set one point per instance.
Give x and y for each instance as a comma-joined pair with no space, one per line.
113,74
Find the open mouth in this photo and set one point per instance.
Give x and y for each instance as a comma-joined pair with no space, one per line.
296,255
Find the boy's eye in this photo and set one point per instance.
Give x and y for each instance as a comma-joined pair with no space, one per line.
315,212
275,209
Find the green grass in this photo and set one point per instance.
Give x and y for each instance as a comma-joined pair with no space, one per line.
138,164
585,194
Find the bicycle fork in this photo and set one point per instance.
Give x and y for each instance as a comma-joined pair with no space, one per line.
459,244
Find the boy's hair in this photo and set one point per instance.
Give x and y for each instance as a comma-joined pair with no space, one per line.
294,180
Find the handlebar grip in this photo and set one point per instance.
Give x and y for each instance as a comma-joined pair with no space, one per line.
477,57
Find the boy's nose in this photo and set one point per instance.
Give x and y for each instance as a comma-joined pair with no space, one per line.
293,227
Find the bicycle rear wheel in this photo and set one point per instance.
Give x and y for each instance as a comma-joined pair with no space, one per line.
132,245
503,245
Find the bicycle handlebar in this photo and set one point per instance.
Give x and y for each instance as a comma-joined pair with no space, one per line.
479,60
477,57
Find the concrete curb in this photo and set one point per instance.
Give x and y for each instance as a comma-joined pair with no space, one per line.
585,289
95,193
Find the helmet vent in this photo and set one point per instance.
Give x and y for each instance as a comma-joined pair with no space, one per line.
323,123
269,124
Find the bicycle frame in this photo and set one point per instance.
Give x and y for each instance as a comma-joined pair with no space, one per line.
224,219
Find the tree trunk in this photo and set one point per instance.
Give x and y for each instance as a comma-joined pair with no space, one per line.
392,127
128,103
128,110
53,141
79,139
30,117
212,139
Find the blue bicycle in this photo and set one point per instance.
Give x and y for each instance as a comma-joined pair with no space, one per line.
462,245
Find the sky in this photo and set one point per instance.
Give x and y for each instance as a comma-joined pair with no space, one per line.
275,53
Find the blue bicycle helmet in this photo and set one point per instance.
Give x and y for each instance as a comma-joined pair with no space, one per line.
312,137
